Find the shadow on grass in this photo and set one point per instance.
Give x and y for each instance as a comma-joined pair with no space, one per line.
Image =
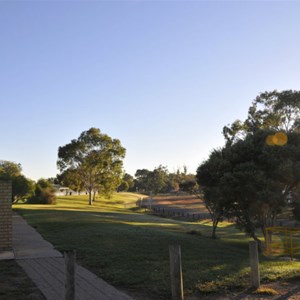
131,250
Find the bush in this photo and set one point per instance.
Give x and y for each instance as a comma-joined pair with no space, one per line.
44,194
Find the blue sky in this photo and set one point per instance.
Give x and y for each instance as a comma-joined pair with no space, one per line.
162,76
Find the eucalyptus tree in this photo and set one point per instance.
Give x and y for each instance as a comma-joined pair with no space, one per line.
96,158
278,111
71,179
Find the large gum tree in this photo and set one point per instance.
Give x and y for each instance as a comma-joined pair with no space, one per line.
96,158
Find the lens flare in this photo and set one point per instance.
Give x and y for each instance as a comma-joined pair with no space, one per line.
269,140
278,139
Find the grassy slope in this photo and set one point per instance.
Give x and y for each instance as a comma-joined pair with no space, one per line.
130,249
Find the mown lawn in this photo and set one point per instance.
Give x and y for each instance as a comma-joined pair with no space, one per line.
15,284
129,248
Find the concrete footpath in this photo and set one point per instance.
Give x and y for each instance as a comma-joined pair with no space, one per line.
46,267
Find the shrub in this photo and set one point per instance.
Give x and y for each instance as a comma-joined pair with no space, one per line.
44,193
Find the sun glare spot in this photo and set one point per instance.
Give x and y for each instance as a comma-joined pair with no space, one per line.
269,140
278,139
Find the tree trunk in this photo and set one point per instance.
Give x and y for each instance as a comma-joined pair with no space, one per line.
213,234
90,198
215,226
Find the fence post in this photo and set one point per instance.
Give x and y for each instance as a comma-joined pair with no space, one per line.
141,203
70,258
254,264
176,272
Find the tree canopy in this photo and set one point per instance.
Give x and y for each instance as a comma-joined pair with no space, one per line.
250,180
96,158
160,180
278,111
253,175
22,187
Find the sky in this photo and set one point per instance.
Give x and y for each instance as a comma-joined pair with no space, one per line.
164,77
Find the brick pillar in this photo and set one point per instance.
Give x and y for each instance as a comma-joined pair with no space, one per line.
5,215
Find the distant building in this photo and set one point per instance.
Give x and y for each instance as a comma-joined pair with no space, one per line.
61,190
65,191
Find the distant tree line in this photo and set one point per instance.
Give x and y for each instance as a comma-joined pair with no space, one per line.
158,180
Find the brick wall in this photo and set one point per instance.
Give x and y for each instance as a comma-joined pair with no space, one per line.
5,215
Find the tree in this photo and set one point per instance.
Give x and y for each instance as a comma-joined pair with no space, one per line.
152,181
189,186
158,180
44,193
182,180
251,180
22,187
97,159
209,176
9,169
141,180
127,183
71,179
278,111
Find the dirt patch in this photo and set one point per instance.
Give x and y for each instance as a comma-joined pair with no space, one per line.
178,206
187,202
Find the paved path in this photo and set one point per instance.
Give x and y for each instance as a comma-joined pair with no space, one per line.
45,266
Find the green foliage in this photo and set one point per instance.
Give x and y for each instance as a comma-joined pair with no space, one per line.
94,161
151,181
127,183
124,187
189,186
277,111
43,193
22,187
160,180
71,178
209,176
251,180
9,169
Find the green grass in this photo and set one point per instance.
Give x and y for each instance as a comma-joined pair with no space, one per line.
130,249
14,283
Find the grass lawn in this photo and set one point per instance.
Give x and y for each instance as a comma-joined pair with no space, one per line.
129,248
15,284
